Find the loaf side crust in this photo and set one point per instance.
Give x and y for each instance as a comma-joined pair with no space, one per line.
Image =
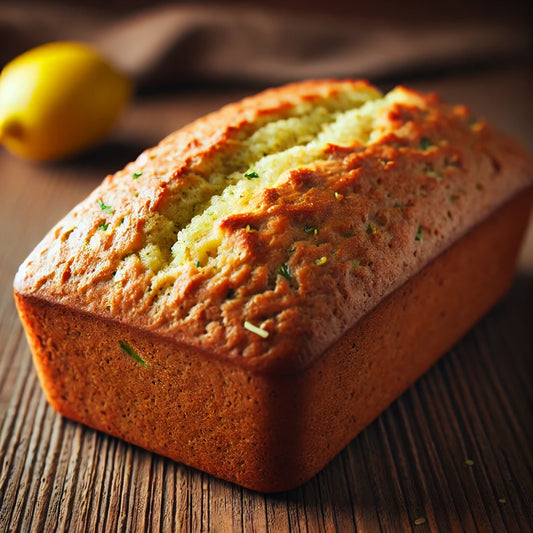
269,432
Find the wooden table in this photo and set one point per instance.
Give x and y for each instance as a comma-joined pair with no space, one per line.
453,454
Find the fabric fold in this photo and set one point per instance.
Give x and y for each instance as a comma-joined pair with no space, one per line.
168,45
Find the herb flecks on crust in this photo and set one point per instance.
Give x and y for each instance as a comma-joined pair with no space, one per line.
295,211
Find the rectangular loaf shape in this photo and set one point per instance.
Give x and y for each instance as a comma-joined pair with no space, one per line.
248,295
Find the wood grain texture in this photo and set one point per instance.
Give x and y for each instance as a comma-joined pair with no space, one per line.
405,472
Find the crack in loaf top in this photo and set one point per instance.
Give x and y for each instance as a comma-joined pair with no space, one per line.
261,232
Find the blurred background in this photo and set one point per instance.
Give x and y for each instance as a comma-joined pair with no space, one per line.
170,45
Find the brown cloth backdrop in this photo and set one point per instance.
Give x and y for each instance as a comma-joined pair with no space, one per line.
169,45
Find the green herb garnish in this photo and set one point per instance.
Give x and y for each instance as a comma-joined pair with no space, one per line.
418,236
252,174
371,228
435,174
469,462
254,329
285,271
103,225
197,263
425,143
128,350
137,175
106,208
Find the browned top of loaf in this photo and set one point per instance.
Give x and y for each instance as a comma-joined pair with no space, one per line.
308,257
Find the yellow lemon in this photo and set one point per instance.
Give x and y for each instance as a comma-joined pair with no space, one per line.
58,99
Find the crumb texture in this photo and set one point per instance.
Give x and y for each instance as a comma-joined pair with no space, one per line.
263,231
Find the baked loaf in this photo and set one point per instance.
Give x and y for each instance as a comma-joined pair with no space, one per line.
249,294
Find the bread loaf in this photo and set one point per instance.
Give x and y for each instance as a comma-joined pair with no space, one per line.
249,294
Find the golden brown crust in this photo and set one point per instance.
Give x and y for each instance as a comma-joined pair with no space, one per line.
350,228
